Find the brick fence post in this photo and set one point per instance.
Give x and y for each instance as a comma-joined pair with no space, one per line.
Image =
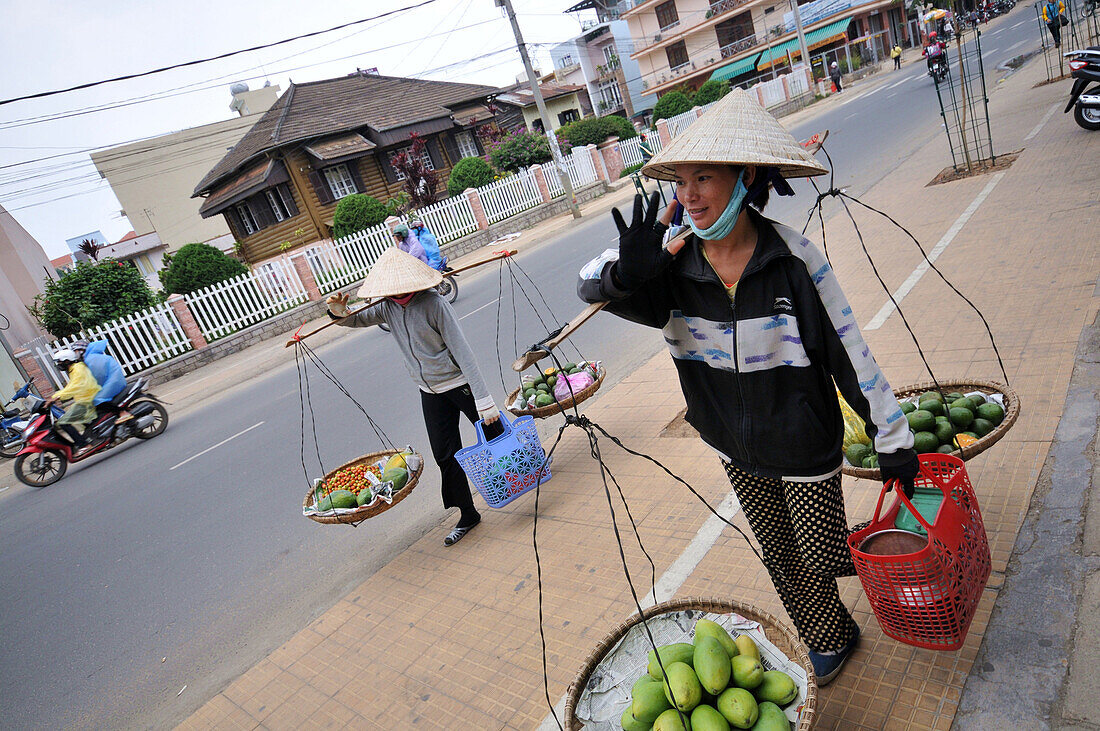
612,158
187,321
540,181
597,163
305,275
42,382
478,209
663,133
392,222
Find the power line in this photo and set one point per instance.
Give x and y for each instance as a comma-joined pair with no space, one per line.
90,84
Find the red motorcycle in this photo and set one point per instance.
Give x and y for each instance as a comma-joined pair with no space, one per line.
47,454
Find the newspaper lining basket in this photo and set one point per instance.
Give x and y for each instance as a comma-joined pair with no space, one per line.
1012,412
928,598
507,466
367,511
780,635
558,407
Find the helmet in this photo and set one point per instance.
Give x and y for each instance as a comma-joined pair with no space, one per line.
417,223
932,36
401,230
79,346
833,64
66,357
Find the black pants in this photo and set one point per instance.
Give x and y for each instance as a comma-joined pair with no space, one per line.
441,412
897,62
836,80
803,533
1056,31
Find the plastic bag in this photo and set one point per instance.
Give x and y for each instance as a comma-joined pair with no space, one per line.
569,386
855,430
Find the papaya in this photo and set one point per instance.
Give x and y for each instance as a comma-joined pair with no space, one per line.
738,707
364,497
682,686
670,721
705,627
399,476
771,718
706,718
324,504
629,723
745,646
748,673
648,701
676,652
777,687
342,499
712,664
397,460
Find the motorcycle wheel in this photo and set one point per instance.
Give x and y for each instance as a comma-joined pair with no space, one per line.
12,443
448,289
41,469
160,421
1087,118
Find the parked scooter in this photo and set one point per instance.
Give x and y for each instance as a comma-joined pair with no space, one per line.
47,454
15,420
1085,70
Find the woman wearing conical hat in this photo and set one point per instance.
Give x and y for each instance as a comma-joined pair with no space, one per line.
759,330
439,361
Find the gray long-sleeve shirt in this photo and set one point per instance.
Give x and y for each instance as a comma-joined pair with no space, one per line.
437,354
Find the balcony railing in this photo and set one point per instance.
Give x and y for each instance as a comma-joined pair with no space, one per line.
608,68
741,44
673,24
680,68
717,8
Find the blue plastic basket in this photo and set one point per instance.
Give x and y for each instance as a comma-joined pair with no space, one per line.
506,467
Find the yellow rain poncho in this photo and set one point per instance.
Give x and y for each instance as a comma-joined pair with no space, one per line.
82,388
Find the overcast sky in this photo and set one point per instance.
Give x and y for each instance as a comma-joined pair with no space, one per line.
50,45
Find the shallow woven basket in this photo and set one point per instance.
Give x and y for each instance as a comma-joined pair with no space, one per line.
560,406
780,635
367,511
1012,412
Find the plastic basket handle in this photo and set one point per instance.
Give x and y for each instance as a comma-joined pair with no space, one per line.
895,485
479,426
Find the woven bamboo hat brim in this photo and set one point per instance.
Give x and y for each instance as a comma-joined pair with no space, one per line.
396,273
735,131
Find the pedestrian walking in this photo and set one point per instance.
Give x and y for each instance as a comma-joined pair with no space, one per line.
834,74
439,361
895,53
1054,15
760,330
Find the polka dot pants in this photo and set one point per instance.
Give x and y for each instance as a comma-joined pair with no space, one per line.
803,532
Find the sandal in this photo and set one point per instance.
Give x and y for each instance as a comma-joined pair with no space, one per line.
459,531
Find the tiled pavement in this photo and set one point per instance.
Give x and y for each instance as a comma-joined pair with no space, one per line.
448,638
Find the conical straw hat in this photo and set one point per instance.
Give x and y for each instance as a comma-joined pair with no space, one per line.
396,273
735,131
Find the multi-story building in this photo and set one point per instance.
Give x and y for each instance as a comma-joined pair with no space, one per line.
685,42
600,59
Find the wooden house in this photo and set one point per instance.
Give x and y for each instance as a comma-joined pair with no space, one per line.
324,140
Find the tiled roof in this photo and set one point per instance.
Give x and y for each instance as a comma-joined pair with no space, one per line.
321,108
522,95
333,148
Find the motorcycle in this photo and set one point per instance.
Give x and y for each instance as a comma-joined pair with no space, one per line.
938,70
15,420
1085,69
47,454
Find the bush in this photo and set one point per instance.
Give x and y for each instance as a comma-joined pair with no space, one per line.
357,212
469,172
521,150
620,127
671,104
711,91
91,294
631,169
594,130
196,266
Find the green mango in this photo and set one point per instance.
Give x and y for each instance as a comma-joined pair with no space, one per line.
777,688
682,686
705,718
670,721
738,707
641,681
771,718
648,701
676,652
747,671
705,627
712,664
629,723
745,646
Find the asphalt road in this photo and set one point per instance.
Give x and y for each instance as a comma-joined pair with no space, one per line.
148,579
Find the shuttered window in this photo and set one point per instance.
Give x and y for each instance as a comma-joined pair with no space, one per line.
466,145
278,207
340,181
247,219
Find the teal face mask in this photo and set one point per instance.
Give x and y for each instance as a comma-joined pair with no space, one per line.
721,228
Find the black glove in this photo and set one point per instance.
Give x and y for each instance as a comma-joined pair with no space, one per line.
902,465
641,254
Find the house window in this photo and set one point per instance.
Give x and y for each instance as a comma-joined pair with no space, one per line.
144,265
466,145
569,115
278,206
424,158
565,61
677,55
666,15
340,181
609,53
247,219
610,98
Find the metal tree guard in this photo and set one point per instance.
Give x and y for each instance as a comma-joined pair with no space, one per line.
964,105
1077,34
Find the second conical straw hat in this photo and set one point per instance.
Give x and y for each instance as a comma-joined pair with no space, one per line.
396,273
735,131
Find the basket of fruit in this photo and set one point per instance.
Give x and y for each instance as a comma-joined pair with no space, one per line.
727,664
556,389
364,487
966,419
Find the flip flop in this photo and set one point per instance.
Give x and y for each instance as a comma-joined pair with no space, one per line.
459,531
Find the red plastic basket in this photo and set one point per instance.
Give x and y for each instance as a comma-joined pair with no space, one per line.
928,598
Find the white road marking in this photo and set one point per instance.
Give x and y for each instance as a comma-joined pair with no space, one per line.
907,286
994,32
479,309
899,83
210,449
1017,25
673,578
1044,120
1015,45
849,117
873,91
5,488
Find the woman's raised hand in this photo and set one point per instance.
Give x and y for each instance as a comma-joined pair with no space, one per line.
641,255
338,304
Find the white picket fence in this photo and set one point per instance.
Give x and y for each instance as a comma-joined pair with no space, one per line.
508,196
579,167
225,307
139,340
338,264
450,219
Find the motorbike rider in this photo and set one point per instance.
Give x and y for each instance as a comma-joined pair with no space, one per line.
428,242
935,51
407,242
82,389
106,369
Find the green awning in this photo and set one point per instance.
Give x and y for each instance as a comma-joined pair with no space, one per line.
815,37
736,68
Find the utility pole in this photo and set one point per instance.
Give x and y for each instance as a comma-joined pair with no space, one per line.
802,38
555,151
